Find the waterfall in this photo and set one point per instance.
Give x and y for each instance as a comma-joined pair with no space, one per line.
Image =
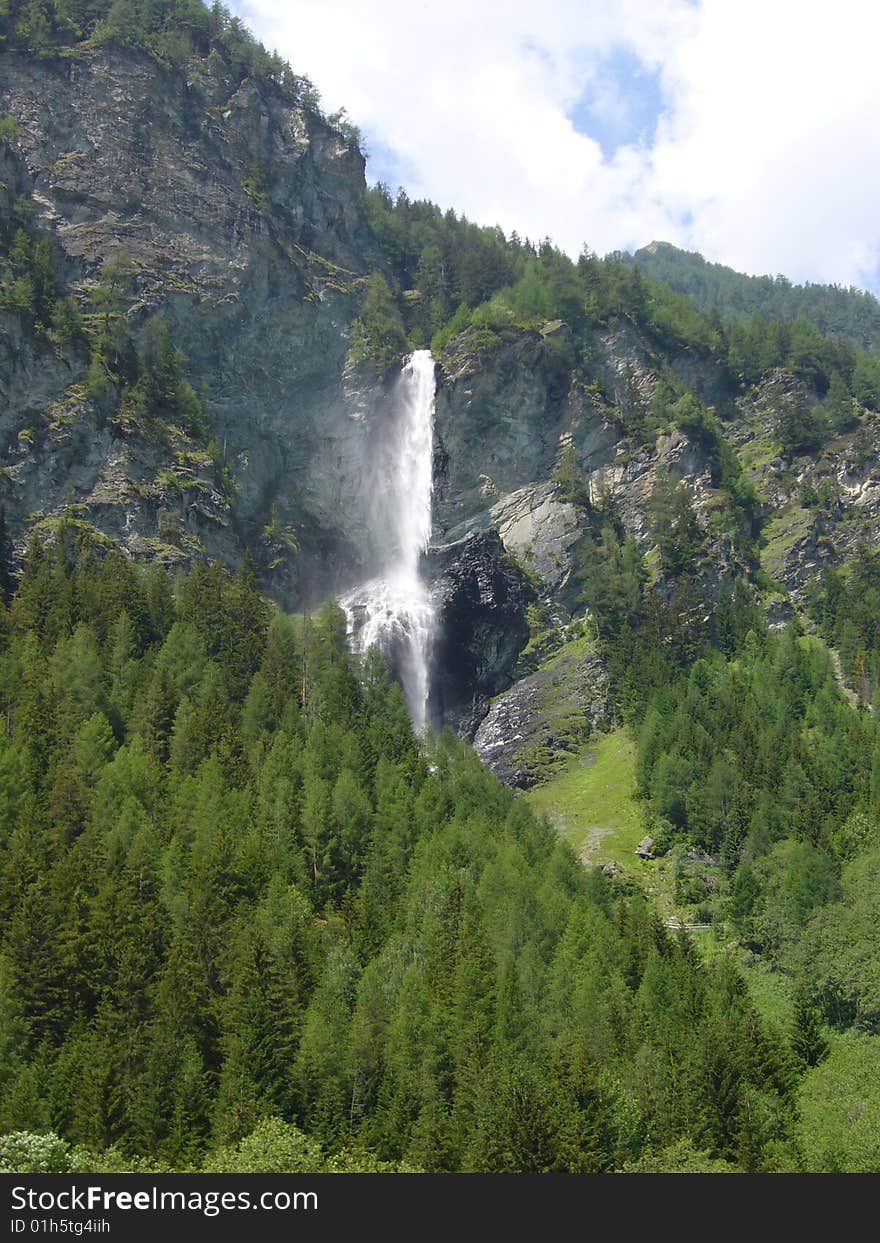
394,609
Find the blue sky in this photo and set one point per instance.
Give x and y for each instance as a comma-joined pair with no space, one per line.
622,104
741,129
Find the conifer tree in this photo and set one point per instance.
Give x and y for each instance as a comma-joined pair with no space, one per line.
807,1042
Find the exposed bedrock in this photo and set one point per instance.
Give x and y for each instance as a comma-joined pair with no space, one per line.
481,597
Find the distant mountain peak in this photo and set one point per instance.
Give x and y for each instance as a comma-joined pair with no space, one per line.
654,248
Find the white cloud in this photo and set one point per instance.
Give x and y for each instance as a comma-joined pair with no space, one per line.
765,155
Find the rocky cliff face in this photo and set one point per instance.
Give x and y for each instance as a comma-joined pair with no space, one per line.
241,214
818,506
242,218
507,423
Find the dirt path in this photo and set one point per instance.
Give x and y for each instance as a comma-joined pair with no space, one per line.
596,834
838,673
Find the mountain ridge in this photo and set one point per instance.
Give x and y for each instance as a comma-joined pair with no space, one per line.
846,311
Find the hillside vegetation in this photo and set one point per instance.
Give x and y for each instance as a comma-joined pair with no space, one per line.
234,890
247,919
850,313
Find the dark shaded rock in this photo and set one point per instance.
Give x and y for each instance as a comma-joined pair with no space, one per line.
481,597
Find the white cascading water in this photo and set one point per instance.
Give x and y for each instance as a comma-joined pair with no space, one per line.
394,609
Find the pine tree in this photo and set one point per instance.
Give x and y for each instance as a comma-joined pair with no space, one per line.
158,712
258,1041
322,1072
807,1042
5,549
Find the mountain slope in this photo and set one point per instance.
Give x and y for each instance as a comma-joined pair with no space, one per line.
853,314
203,310
198,368
123,156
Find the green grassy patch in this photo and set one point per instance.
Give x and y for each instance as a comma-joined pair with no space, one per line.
771,991
576,647
593,803
757,453
781,533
